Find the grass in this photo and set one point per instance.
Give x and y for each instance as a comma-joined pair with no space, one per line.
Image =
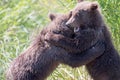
19,19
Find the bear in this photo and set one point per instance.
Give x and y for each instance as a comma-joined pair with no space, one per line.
40,59
87,15
37,61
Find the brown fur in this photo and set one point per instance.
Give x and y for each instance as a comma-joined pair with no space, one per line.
41,58
38,61
87,15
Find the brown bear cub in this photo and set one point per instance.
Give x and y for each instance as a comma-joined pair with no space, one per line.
38,61
87,16
41,58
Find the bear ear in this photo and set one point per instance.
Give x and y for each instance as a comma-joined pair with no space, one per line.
94,6
79,1
52,16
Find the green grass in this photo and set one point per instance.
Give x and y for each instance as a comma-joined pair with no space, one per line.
19,19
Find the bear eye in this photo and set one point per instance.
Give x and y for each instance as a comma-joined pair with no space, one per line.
57,32
76,29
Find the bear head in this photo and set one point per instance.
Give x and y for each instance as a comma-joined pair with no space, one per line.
85,15
58,24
